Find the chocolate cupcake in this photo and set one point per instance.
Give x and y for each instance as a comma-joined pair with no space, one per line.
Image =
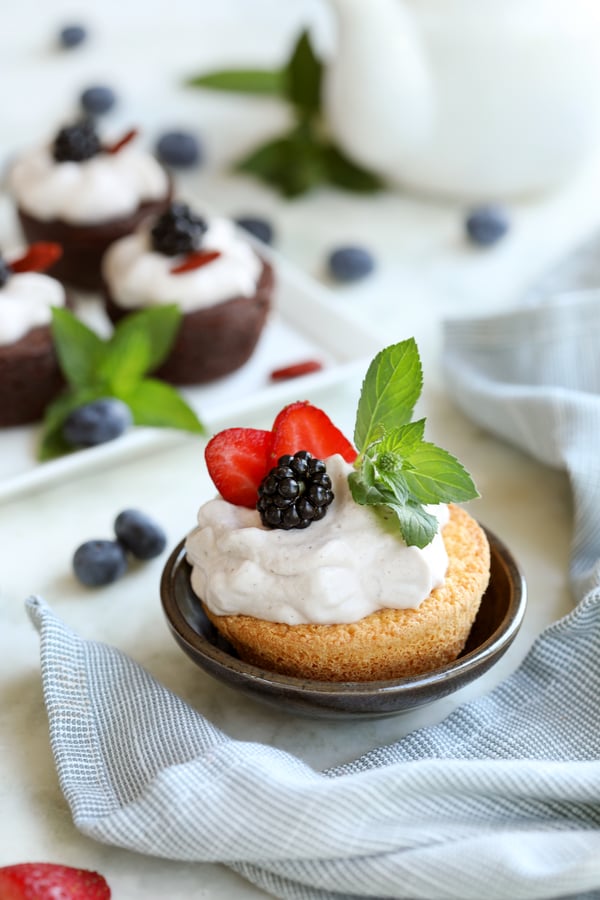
84,196
220,284
30,376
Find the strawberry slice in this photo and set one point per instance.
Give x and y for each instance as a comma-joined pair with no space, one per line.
302,426
37,258
237,460
45,881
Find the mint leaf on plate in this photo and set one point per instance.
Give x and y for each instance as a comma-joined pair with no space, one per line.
303,76
78,348
95,368
396,469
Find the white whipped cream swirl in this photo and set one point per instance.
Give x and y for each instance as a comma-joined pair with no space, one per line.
139,276
338,570
107,186
26,301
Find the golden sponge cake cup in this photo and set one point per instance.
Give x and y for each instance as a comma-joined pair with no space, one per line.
388,644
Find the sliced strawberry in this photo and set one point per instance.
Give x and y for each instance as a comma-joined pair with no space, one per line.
37,258
122,142
237,460
302,426
45,881
195,261
294,370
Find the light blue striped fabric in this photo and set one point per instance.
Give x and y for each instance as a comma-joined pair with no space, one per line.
500,801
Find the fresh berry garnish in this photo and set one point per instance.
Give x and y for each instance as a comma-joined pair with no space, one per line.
196,261
139,534
237,460
97,422
97,563
296,492
259,228
302,426
127,138
72,36
5,272
76,143
50,881
296,369
37,258
349,264
98,99
180,149
177,231
485,225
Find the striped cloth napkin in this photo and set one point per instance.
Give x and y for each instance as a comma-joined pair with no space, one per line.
501,800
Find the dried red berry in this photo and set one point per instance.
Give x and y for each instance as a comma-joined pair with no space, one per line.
195,261
39,257
296,369
126,139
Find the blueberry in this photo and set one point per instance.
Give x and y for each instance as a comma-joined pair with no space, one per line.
97,422
140,534
487,224
98,99
179,149
350,263
72,35
96,563
260,228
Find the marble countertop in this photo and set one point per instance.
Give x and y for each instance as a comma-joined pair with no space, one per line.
425,273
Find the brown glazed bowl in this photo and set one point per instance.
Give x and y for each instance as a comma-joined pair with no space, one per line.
497,623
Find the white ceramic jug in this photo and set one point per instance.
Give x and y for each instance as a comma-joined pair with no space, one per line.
477,99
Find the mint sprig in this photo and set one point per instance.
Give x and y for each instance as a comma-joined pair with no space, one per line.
305,156
94,368
396,468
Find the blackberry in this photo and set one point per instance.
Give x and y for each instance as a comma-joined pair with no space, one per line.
177,231
5,272
296,492
76,143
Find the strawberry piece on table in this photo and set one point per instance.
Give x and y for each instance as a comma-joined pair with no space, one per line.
50,881
294,370
302,426
237,460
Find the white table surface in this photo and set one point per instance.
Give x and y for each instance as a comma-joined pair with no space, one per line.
425,273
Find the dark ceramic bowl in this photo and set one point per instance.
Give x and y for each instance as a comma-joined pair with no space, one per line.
497,623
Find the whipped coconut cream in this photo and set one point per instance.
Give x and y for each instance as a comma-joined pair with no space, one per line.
338,570
139,276
107,186
25,303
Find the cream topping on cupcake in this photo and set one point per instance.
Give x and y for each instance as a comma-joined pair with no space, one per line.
25,303
342,568
137,275
107,186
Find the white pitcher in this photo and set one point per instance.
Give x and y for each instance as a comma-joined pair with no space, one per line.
477,99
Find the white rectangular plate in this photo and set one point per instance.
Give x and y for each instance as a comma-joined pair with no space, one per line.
306,323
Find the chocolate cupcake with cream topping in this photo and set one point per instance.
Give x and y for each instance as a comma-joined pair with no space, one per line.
221,285
84,195
30,376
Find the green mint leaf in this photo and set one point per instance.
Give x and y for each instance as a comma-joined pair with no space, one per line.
303,76
435,476
368,494
389,392
52,443
140,343
157,404
290,163
78,348
344,173
418,527
401,441
267,82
